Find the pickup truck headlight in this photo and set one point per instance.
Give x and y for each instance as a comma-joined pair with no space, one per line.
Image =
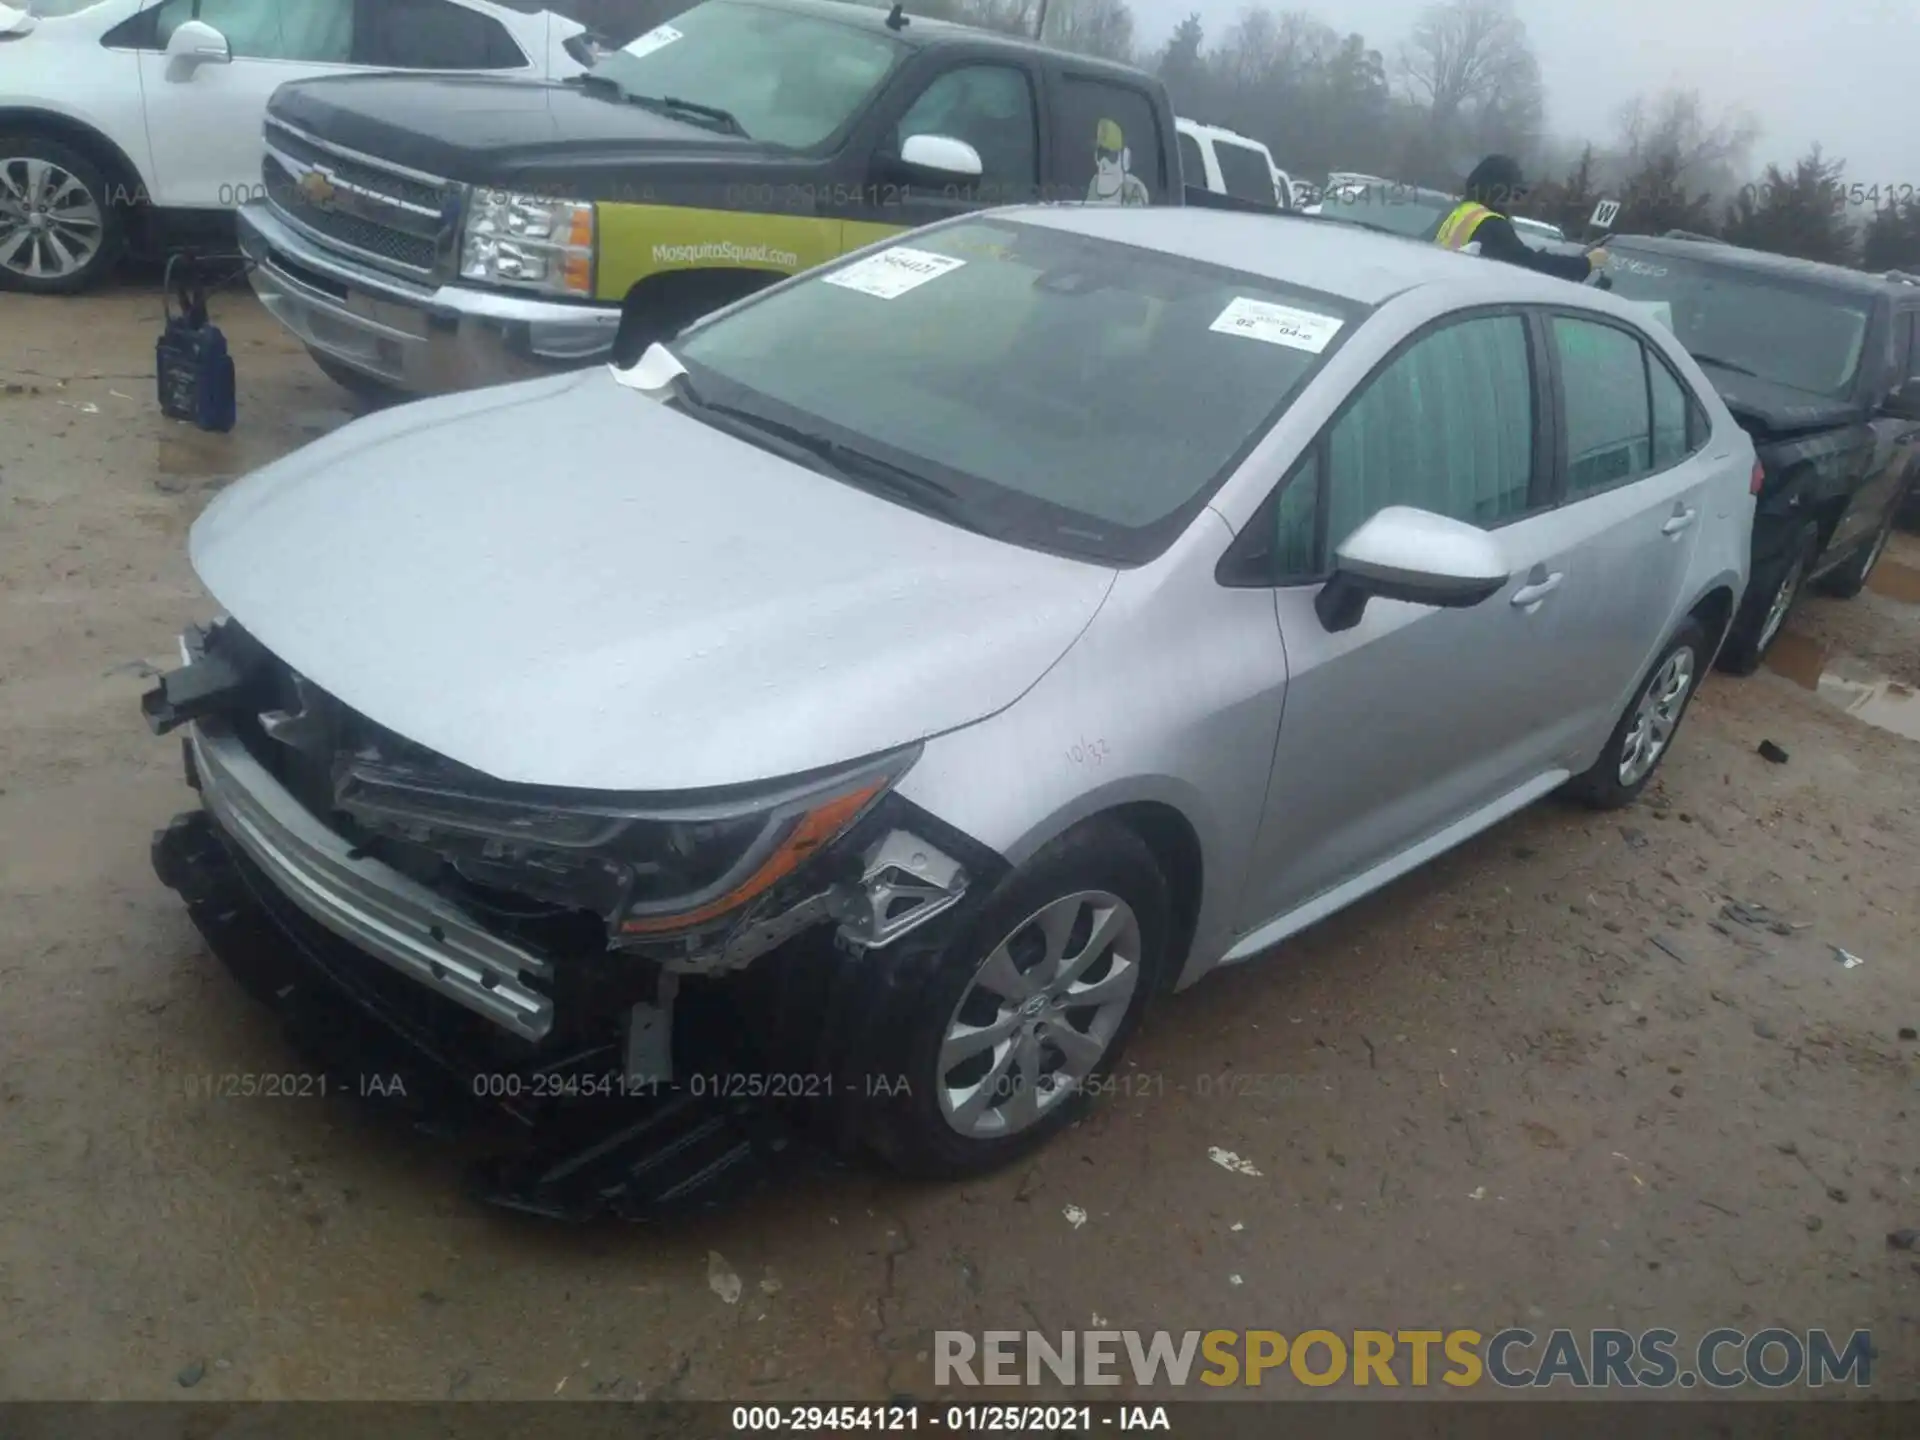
646,870
529,241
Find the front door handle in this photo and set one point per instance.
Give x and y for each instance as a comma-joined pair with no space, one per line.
1533,594
1679,521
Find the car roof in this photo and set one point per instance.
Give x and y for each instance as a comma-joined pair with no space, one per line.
1330,256
923,30
1738,257
1216,132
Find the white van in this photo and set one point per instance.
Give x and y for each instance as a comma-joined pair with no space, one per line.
1216,159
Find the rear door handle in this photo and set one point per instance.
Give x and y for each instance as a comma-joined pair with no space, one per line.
1533,594
1679,521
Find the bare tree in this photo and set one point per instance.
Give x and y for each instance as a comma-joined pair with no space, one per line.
1090,27
1470,56
1672,132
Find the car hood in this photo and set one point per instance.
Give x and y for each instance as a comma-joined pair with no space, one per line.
489,130
565,582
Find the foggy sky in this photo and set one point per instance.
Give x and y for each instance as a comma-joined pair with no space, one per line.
1844,72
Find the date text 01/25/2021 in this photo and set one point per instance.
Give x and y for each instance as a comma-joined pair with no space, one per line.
952,1419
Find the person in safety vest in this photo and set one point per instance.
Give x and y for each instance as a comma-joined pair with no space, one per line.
1478,225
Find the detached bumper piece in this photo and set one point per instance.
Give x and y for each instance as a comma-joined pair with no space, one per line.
558,1143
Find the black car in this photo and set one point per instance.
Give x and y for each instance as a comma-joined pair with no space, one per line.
1821,365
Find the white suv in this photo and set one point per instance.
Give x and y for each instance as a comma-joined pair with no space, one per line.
115,108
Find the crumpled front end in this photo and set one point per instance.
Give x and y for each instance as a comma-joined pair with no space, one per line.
577,965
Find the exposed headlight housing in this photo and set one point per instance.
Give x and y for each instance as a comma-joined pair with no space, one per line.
531,242
648,870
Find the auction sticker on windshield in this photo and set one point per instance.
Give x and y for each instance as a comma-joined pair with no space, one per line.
654,39
1277,324
892,273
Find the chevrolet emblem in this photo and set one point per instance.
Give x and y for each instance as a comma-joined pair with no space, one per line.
317,189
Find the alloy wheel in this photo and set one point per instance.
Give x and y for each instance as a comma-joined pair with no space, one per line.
51,224
1039,1014
1656,716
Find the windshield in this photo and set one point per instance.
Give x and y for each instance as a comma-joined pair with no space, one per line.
1400,209
1057,391
1803,336
787,78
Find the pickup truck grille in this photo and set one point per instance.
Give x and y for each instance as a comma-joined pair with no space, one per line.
398,218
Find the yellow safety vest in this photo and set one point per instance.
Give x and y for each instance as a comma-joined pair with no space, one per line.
1456,231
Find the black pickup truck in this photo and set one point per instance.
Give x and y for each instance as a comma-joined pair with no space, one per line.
1821,365
429,233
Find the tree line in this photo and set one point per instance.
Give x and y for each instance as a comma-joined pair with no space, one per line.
1463,82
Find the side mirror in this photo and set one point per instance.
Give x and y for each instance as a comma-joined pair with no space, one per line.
943,155
195,43
1413,555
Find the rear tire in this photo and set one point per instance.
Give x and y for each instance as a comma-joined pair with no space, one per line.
1091,904
1851,578
60,231
1645,732
1771,593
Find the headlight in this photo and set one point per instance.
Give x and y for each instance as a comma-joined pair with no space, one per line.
529,241
646,870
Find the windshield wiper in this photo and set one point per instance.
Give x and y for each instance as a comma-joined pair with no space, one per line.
723,120
838,461
1720,364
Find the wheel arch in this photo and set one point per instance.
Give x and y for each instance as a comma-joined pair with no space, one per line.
1173,822
1714,611
94,143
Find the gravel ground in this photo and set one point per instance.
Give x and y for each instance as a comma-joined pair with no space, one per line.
1545,1081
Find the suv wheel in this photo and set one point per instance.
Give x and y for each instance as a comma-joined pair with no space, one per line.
1027,1009
59,231
1851,578
1645,732
1771,594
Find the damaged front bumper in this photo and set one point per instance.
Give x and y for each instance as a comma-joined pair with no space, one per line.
604,1065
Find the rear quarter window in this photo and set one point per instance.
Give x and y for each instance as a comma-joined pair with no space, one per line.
1245,172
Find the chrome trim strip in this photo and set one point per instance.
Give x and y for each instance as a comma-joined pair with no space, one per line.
373,906
299,168
359,156
328,242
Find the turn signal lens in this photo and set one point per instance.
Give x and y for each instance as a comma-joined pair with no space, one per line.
1759,478
814,829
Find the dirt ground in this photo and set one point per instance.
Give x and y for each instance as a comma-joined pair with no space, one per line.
1546,1081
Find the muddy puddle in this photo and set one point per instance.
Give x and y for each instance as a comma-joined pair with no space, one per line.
1848,684
1896,581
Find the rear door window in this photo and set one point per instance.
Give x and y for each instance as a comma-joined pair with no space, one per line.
431,35
1107,146
1609,426
1679,423
1245,172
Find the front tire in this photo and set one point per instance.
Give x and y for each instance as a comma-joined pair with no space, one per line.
1644,734
1770,596
1027,1008
60,232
